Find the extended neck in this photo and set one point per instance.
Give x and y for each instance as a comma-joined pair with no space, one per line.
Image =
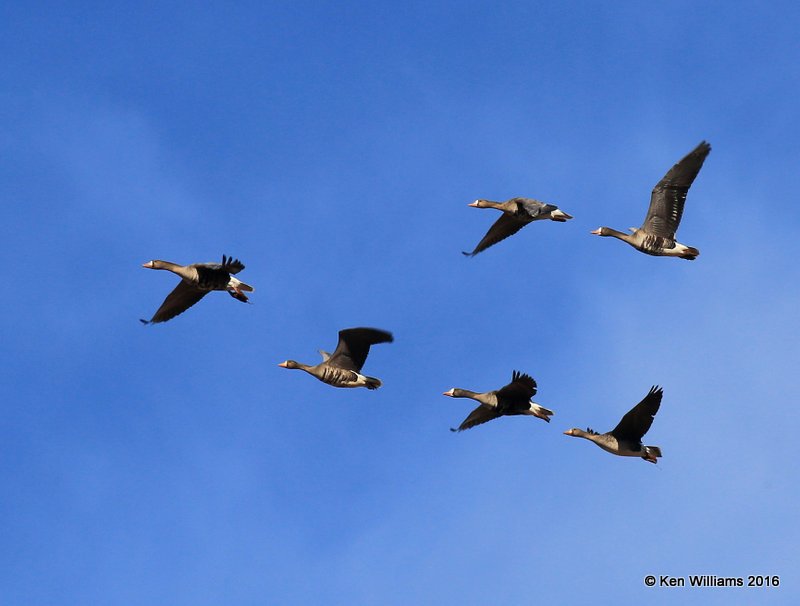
608,231
488,399
579,433
486,204
292,364
187,272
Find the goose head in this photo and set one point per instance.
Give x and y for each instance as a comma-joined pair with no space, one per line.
289,364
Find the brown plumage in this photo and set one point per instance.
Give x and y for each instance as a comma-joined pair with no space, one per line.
656,236
517,213
626,438
512,399
342,368
197,280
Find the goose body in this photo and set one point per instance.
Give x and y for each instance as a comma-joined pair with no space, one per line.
512,399
197,280
656,236
625,439
517,213
342,368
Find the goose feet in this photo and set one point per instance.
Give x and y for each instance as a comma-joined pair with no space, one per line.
238,295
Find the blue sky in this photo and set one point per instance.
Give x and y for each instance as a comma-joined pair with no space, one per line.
333,149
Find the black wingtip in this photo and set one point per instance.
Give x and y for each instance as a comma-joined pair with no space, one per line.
145,322
454,430
466,254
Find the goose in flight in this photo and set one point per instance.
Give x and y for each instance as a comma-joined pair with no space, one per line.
197,280
513,399
656,236
517,213
342,368
625,439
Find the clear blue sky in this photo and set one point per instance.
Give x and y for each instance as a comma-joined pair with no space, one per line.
333,147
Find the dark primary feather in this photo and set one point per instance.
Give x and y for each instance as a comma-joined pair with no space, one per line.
511,399
231,265
638,420
353,347
669,195
215,276
505,226
480,415
183,296
210,276
521,389
534,208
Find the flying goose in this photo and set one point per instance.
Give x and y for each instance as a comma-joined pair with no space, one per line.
513,399
197,280
625,439
342,368
517,213
656,236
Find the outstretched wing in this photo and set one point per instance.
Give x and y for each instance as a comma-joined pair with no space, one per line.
178,301
505,226
638,420
353,347
522,387
480,415
231,265
669,194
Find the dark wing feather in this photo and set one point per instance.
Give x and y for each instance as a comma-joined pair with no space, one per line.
216,275
519,392
231,265
480,415
353,347
178,301
638,420
534,208
669,194
505,226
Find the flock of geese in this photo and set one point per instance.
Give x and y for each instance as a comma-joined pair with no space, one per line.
343,367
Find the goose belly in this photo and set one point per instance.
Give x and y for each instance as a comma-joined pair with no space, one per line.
622,450
342,378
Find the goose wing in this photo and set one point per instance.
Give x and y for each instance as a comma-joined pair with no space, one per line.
637,420
669,194
353,347
229,265
522,387
480,415
505,226
535,208
178,301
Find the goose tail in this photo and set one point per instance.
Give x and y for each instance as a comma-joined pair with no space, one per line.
690,254
372,383
651,453
239,285
559,215
541,412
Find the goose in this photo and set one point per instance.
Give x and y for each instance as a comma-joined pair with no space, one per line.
625,439
342,368
197,280
656,236
517,213
513,399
